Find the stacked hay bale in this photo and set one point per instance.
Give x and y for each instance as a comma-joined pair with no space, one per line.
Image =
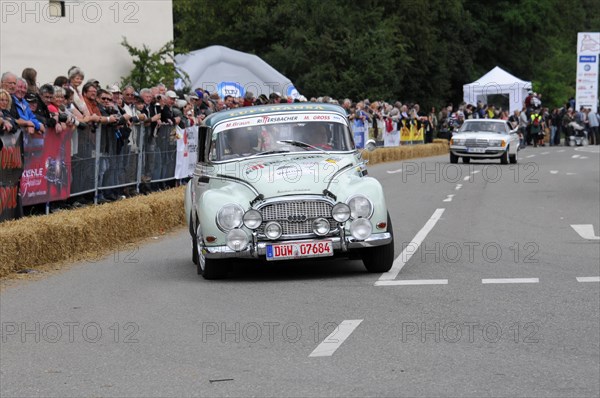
87,233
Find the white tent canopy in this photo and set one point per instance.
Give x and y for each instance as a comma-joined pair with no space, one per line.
230,72
497,81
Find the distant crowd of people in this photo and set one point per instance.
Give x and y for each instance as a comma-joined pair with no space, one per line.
71,101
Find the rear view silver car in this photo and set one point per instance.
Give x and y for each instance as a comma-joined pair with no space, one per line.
485,139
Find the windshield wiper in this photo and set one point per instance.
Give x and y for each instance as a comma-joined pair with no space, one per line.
302,145
266,153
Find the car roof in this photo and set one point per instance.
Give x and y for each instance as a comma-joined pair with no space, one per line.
218,117
485,120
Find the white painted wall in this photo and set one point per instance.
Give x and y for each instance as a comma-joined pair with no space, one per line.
89,36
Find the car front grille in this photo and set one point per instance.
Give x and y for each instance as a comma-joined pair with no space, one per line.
296,217
476,143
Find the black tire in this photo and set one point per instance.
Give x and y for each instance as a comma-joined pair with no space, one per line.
453,158
504,159
466,159
380,258
210,268
195,252
514,158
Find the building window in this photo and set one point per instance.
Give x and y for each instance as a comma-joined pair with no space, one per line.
57,8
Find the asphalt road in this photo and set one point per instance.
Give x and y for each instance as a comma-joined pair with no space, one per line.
483,300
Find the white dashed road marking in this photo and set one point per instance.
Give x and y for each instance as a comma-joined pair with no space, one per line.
588,279
412,247
583,157
562,150
458,186
394,171
586,231
413,282
335,339
530,156
449,198
571,174
575,156
553,171
544,153
510,280
467,178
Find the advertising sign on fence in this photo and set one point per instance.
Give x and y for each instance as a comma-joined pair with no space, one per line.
11,167
47,172
187,151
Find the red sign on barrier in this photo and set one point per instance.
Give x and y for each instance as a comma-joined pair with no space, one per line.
47,174
11,167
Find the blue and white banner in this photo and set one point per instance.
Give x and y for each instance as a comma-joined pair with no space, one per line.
187,151
588,52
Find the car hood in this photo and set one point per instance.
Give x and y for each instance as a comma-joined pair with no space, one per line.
481,135
292,174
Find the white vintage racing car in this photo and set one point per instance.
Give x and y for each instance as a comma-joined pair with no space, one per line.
284,182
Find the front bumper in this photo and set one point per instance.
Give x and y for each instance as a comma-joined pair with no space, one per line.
489,152
260,248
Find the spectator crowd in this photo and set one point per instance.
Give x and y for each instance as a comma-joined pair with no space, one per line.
72,102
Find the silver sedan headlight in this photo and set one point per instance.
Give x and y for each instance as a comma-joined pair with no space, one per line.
252,219
496,143
458,141
340,212
360,207
230,216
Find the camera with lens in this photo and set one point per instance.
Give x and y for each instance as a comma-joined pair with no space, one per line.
63,117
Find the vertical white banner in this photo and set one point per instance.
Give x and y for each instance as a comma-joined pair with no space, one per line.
588,52
187,151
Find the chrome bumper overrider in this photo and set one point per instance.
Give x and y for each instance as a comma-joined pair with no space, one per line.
260,249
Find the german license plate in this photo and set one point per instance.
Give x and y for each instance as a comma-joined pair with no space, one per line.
476,150
284,251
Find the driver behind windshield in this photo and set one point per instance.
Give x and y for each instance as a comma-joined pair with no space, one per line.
316,135
242,142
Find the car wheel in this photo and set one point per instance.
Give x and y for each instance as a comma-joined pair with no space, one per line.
380,258
210,268
195,252
514,158
504,158
453,158
466,159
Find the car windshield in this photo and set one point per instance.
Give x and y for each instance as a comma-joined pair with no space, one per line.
266,139
483,127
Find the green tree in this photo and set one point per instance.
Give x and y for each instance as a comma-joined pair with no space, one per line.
152,67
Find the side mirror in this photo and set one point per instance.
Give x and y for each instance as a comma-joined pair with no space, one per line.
202,132
371,145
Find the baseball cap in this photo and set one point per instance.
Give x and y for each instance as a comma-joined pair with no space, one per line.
114,89
30,97
171,94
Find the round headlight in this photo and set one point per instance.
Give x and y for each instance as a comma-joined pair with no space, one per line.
361,228
237,239
273,230
340,212
252,219
230,217
495,143
360,207
321,226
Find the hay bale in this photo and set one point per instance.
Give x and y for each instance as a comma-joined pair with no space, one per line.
87,233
